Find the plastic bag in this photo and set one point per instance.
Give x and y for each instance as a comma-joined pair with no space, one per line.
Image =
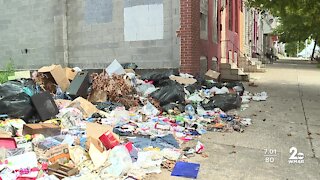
225,102
13,100
12,88
17,106
120,160
130,66
157,76
115,68
172,92
145,89
237,86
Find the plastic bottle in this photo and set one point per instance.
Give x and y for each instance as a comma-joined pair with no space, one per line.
190,111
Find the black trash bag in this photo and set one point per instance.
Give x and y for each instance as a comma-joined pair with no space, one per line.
171,93
12,88
129,66
225,102
172,106
13,100
157,76
108,106
196,86
17,106
209,85
237,86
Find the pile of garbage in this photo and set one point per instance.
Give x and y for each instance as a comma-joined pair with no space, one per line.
63,123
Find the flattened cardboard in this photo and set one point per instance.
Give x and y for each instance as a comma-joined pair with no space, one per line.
4,134
20,75
182,80
58,74
86,107
44,129
212,75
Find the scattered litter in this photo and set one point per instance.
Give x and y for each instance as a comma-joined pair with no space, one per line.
118,124
199,147
260,96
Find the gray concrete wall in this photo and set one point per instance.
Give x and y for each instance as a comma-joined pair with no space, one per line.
94,33
33,26
100,31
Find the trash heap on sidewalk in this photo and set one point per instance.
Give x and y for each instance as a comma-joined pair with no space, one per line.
68,124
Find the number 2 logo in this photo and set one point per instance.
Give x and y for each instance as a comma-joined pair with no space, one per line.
293,152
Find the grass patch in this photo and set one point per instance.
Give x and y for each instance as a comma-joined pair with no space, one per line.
9,71
318,65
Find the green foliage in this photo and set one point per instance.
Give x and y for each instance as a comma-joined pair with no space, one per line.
9,71
293,47
299,19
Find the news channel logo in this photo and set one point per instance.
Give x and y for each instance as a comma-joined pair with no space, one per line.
295,157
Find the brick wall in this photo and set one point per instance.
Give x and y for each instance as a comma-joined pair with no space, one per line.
190,36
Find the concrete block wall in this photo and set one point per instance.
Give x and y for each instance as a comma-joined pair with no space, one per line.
30,32
89,33
97,37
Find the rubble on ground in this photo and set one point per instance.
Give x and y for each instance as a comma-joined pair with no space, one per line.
113,125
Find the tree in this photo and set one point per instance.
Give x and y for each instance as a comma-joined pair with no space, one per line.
292,48
298,18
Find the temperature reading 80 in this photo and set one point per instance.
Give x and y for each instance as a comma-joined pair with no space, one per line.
270,155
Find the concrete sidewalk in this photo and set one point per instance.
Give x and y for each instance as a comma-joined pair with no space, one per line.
289,118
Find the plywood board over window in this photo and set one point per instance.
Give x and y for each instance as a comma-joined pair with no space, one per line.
204,19
143,20
215,24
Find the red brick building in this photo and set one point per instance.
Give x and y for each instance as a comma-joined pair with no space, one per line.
209,31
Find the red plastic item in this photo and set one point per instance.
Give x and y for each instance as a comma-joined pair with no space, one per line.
109,140
8,143
128,145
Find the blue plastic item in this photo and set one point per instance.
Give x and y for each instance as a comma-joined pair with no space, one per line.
185,169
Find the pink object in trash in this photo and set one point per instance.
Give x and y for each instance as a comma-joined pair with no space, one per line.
8,143
109,140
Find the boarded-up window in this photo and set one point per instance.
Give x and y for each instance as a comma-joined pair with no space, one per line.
230,15
143,20
236,16
204,19
215,25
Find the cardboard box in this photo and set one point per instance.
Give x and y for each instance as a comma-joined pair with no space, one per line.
86,107
44,129
62,171
58,74
59,153
182,80
4,134
70,73
212,75
94,131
